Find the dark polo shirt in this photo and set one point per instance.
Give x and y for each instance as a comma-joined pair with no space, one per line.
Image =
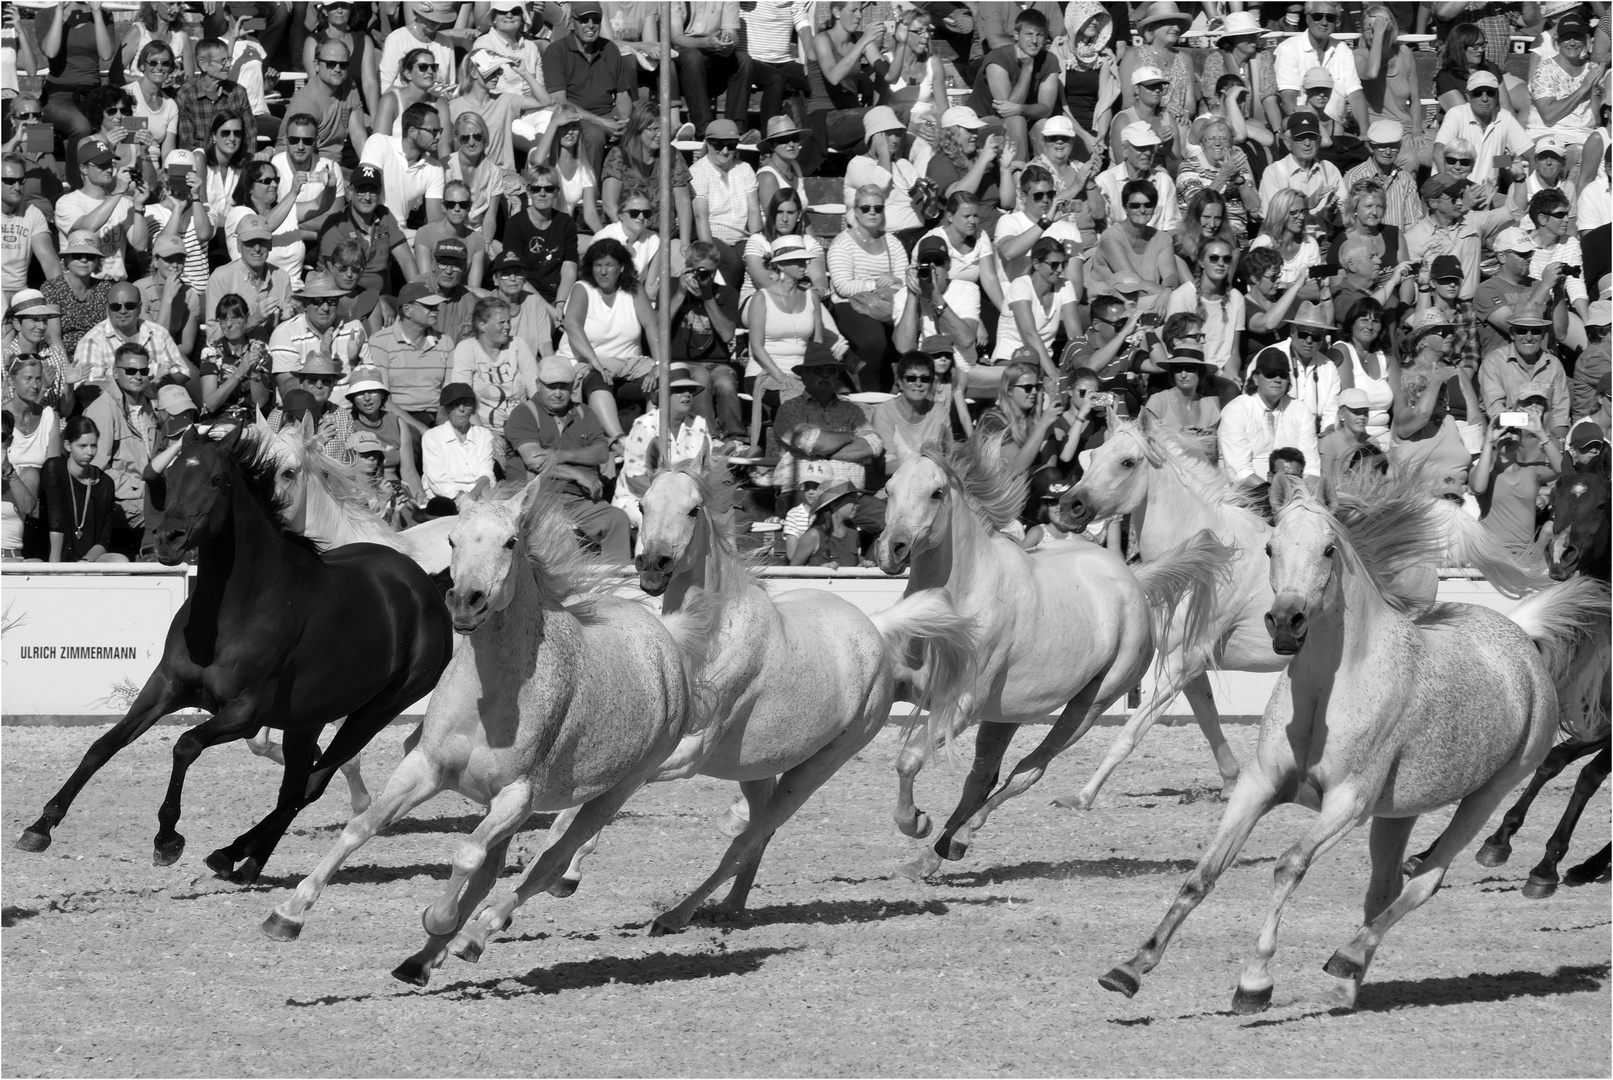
590,81
378,244
578,429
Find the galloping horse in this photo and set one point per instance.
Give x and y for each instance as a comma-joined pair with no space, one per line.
275,634
1381,715
1068,626
560,696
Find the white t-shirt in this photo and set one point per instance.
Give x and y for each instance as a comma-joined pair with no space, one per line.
16,245
74,205
251,74
1011,225
324,174
643,251
407,186
400,43
159,121
1219,323
1047,319
1595,207
963,296
899,212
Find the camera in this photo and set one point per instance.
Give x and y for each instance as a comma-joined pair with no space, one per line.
1102,399
926,272
1572,271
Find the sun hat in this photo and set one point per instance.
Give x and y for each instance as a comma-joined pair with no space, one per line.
1139,134
819,356
1147,74
789,248
879,118
722,129
367,377
1600,313
1240,24
506,5
319,285
320,366
487,61
1162,11
1188,356
82,242
368,178
1316,78
778,127
1445,267
1529,315
31,303
456,392
829,494
962,116
1309,314
94,150
1055,127
168,246
253,227
1482,78
1355,398
680,377
1384,132
1513,238
435,11
365,442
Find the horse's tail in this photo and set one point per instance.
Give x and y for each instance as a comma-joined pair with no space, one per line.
1470,544
1568,623
693,628
947,639
1185,579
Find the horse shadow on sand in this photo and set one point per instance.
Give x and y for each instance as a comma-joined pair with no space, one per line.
1115,866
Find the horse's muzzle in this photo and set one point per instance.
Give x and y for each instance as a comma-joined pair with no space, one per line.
893,555
1287,626
1071,513
467,609
654,572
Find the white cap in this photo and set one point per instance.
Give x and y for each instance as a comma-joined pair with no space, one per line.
881,118
179,157
1058,125
962,116
1139,134
1385,132
1316,78
1147,74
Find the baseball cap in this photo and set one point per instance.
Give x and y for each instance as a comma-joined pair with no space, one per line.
366,377
1600,313
418,292
1549,144
1532,389
962,116
555,369
1271,364
1482,78
938,343
931,250
507,261
179,157
1139,134
1513,238
722,129
451,249
1385,132
1316,78
173,400
587,7
455,391
881,118
1147,74
368,177
253,227
789,248
1441,184
1572,25
1445,267
1126,282
168,246
506,5
365,442
1355,399
94,150
1586,435
1058,126
1303,125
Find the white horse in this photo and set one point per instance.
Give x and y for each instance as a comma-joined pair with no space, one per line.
798,683
550,703
1382,714
1067,627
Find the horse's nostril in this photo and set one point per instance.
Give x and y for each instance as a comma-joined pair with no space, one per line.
474,597
1296,621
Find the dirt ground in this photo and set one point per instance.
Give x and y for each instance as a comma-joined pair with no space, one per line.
114,967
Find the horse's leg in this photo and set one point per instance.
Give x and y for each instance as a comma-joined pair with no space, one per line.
918,748
1171,680
1341,808
991,743
1543,878
1254,794
301,746
236,720
1498,848
573,876
416,779
1349,964
161,695
476,889
1592,869
1201,699
357,793
263,746
757,793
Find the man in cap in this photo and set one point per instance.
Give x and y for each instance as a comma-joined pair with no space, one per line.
1304,169
1450,229
1494,133
370,221
588,71
1587,445
210,92
1348,435
1148,85
1022,82
456,456
1313,378
1548,170
1139,147
411,172
314,334
706,36
1591,369
1316,48
1392,169
1526,363
565,442
128,427
24,233
414,353
1254,424
266,289
423,28
1443,276
332,100
448,282
1510,287
125,323
117,219
820,434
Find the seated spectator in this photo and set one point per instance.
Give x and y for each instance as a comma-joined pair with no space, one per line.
418,83
1364,213
1313,379
259,195
1212,297
1425,435
266,289
706,37
457,455
1588,388
867,266
1461,56
1215,176
237,385
332,422
37,431
345,265
496,94
1037,306
1363,365
529,315
1450,229
1256,423
30,315
422,27
632,168
331,97
690,440
219,165
369,459
1131,247
17,500
124,323
832,538
780,168
42,183
167,299
972,266
455,225
1003,87
644,246
414,357
322,195
705,315
107,108
1393,169
450,258
770,33
76,499
1563,86
1362,277
338,42
838,69
384,432
560,149
1319,182
1337,146
1149,87
883,166
1237,80
1284,232
79,293
968,158
1035,430
726,209
1139,147
916,417
1075,183
1315,47
1112,348
411,175
314,335
1284,461
1513,468
783,319
1588,447
1338,447
116,219
821,436
210,93
1526,364
785,216
24,233
605,318
1190,405
471,163
1554,243
502,370
127,428
1493,134
566,444
544,238
1018,232
368,219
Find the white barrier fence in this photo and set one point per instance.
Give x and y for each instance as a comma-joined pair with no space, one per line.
78,641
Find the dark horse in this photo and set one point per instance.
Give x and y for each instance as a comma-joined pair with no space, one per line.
276,635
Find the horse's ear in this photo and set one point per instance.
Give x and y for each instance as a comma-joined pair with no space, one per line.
305,427
1144,421
227,444
1284,488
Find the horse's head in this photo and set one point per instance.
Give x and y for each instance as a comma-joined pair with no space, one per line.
1116,481
291,469
915,512
671,509
489,548
198,486
1304,558
1579,525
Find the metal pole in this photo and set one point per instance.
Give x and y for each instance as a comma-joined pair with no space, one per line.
663,308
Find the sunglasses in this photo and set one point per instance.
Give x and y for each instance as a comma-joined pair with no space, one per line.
1153,87
588,19
160,65
472,136
636,214
317,380
1485,91
1274,378
918,378
28,117
1324,16
543,189
1038,196
331,63
788,140
300,140
1527,331
1309,335
872,208
268,179
10,179
82,256
725,146
135,370
1458,161
115,110
124,307
229,133
1028,387
430,69
1139,206
1558,214
1055,264
1218,258
431,130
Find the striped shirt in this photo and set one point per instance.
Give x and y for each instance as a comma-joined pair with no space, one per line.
853,270
768,28
1401,204
727,197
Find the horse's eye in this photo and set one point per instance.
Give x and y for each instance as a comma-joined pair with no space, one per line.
1268,549
509,545
935,496
1329,551
289,474
694,511
217,481
1128,463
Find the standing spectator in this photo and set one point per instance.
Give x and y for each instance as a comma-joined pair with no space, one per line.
1212,297
413,355
726,209
1363,367
1316,48
632,169
457,455
1254,424
236,379
867,266
313,336
1139,146
689,440
333,100
503,371
584,69
605,318
565,443
24,233
705,34
1494,133
266,289
963,160
166,298
117,220
1515,465
915,418
370,221
31,316
37,434
544,238
411,173
1395,171
210,93
76,499
1020,83
1525,363
79,293
705,314
77,44
125,323
127,428
1388,71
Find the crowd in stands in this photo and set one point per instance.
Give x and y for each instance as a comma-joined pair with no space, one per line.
1296,233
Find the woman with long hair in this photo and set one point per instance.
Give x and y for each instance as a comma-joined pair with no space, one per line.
1131,245
780,168
1388,70
911,79
417,82
631,168
221,163
1036,306
37,435
605,319
1091,77
1364,364
1026,416
154,66
499,94
77,499
30,316
1460,55
363,61
487,181
579,188
258,192
236,379
785,216
1204,219
1284,232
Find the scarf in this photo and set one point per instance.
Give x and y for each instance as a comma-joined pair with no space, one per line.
1087,55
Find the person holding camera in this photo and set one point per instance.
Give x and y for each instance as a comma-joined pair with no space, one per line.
1520,457
1549,209
1039,425
235,367
1526,364
705,314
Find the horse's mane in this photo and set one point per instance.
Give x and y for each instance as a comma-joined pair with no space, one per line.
254,456
564,573
994,492
348,494
736,572
1167,446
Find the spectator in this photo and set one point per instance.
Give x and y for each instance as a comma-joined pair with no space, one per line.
341,45
923,314
1510,473
1313,379
127,435
24,233
1266,302
1364,368
783,319
108,109
165,297
221,163
236,381
17,500
1020,83
1036,306
182,215
726,209
644,246
1362,277
705,314
605,318
314,335
558,147
76,499
1161,26
387,433
1563,86
31,315
116,219
632,169
323,194
1217,167
1555,245
964,157
411,174
385,499
414,356
971,264
838,59
1028,418
867,267
368,219
41,177
689,440
1588,390
582,68
266,289
706,37
503,371
37,435
1148,91
125,323
209,94
417,84
1302,170
259,195
1138,149
1393,171
566,444
1283,461
1212,297
1594,210
775,65
1252,93
423,23
332,98
1364,219
1461,56
1427,350
780,169
1112,347
916,418
332,424
882,165
831,539
78,44
507,38
821,436
457,455
1339,447
345,265
1256,423
1494,133
79,293
1588,446
1388,71
785,216
497,95
447,280
1284,232
1074,182
545,239
529,315
1038,216
1550,165
1526,363
1316,48
911,76
1190,404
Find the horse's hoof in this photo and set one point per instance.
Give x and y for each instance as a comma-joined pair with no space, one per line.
467,949
954,850
280,928
166,853
33,841
1538,888
1121,981
1078,801
1493,854
1342,994
1342,967
1584,874
661,926
412,971
922,825
221,862
247,872
563,888
1248,1002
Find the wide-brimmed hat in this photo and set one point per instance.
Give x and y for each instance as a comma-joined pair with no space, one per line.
1422,324
879,118
780,126
788,248
367,377
1241,24
83,242
319,285
1529,315
1309,314
320,366
437,12
819,357
1186,357
31,304
829,494
1162,11
680,377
